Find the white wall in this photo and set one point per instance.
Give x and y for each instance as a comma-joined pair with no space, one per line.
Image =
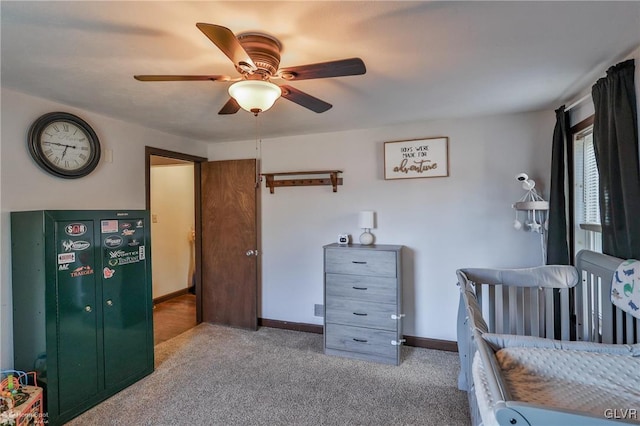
116,185
173,219
463,220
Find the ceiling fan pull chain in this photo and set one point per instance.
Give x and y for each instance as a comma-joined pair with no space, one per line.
258,152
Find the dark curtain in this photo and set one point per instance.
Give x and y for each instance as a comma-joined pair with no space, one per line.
615,136
557,244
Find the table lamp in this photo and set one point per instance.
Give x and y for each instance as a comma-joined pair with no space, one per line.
365,221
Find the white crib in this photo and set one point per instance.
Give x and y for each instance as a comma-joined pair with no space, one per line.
550,302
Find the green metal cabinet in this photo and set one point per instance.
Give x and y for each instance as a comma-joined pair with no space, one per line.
82,304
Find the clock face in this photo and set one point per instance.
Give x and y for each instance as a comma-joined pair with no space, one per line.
64,145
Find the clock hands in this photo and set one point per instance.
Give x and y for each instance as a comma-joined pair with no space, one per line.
59,144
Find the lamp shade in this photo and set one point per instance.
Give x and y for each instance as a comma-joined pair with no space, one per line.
365,220
255,95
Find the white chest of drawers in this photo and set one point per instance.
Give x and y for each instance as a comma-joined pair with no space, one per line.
363,302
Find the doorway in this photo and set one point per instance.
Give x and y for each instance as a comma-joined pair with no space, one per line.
173,199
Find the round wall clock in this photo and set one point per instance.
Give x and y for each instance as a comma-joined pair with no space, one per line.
64,145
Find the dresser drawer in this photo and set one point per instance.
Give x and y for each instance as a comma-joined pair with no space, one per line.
362,340
360,262
360,314
362,287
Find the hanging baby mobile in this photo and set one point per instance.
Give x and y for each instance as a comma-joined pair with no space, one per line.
534,206
535,210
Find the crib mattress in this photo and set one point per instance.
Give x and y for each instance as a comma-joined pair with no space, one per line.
591,382
482,393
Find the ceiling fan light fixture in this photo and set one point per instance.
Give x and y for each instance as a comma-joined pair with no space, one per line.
255,95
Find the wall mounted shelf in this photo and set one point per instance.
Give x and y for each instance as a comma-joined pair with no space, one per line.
300,180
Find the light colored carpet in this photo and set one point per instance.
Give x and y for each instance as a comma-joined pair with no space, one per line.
213,375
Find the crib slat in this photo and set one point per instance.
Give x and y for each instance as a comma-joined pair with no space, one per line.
526,310
478,291
589,304
606,308
579,293
597,318
549,322
509,307
516,311
534,301
542,295
619,321
523,318
607,312
499,307
629,321
510,310
565,318
504,300
492,308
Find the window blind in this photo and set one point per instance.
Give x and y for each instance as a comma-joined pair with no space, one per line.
591,182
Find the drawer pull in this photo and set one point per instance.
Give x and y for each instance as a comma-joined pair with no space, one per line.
360,340
359,288
360,314
358,262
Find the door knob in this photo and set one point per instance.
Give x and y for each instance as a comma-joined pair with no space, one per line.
87,308
251,253
109,302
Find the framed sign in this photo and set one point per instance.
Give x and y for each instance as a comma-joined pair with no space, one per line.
418,158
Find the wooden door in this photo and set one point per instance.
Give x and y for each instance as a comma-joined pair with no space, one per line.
229,232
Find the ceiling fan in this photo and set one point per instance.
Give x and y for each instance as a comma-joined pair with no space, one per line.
256,57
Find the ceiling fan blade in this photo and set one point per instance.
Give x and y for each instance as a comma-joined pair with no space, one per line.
304,99
343,67
226,41
231,107
182,77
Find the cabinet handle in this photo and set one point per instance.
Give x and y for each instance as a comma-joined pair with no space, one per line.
109,302
360,314
87,308
358,262
359,288
360,340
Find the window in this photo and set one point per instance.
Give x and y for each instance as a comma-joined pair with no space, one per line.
586,212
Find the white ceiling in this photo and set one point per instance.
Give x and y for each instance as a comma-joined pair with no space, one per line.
425,60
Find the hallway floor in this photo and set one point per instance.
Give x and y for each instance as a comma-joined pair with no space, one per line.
173,317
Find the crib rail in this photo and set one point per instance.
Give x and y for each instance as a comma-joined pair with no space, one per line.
532,302
600,320
510,304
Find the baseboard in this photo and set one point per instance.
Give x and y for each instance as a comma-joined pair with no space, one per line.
418,342
423,342
287,325
170,295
